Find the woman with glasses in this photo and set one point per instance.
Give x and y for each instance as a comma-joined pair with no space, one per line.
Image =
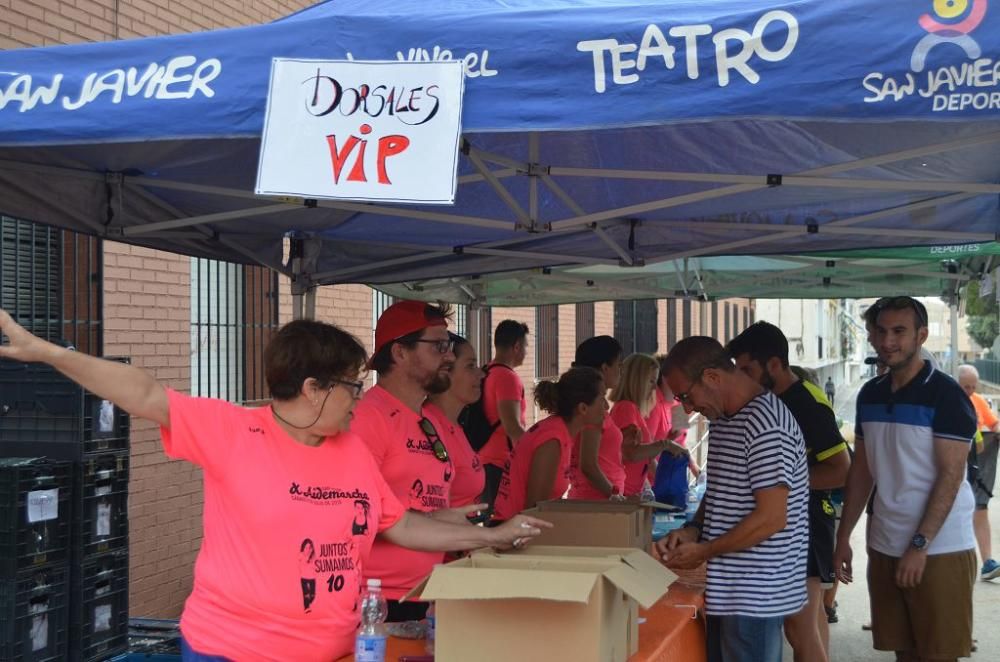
538,469
283,485
443,410
633,400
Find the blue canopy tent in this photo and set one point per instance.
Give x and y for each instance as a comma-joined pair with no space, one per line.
612,133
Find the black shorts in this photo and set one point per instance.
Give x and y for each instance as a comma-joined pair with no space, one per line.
822,526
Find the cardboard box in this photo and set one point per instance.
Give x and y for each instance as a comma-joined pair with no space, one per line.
543,604
595,523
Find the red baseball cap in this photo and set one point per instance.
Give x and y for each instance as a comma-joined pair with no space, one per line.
401,319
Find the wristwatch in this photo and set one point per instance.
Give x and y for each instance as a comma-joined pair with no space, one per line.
919,542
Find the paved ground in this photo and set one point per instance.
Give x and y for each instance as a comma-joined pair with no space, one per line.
849,643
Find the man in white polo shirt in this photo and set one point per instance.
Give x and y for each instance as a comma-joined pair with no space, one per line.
913,431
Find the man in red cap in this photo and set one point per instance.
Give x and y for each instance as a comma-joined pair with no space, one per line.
412,356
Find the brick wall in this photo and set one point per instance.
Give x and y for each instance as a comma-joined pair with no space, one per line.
567,336
51,22
604,318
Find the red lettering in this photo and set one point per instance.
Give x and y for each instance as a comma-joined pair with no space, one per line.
358,171
389,146
339,156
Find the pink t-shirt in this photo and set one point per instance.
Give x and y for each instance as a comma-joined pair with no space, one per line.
501,383
609,459
469,481
288,529
419,480
624,414
514,484
661,420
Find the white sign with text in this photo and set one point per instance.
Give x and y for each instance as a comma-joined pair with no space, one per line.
370,131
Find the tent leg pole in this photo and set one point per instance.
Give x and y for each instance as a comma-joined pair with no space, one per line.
296,306
954,338
310,303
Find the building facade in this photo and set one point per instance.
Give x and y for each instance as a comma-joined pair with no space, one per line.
198,325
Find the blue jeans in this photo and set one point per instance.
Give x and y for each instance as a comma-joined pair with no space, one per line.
744,638
189,654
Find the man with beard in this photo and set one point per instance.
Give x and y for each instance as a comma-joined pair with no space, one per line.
913,431
413,357
761,351
752,527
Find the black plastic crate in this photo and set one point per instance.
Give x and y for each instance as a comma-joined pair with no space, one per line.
99,607
43,412
35,513
34,615
100,504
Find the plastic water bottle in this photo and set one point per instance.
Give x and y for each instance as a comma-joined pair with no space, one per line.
647,493
369,646
692,505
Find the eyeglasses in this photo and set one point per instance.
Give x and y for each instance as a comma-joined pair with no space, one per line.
440,451
442,346
901,303
354,387
685,397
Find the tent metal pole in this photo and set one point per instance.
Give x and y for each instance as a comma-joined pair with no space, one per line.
786,180
138,230
953,308
499,174
613,245
522,216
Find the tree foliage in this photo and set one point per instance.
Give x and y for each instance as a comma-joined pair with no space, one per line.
981,312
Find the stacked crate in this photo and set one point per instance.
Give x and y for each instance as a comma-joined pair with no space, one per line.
44,413
35,517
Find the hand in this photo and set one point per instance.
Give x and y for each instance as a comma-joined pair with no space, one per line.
23,345
910,569
687,555
516,532
674,449
674,539
631,436
842,557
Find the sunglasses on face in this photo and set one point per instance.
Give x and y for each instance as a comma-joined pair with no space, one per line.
440,451
354,387
902,303
442,346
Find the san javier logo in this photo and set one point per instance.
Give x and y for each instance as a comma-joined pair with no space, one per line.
963,80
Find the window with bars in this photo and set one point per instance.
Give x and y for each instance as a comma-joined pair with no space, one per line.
686,317
635,325
52,283
546,339
234,313
584,321
484,334
460,320
728,323
715,320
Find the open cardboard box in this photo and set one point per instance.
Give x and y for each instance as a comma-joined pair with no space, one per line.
542,604
596,523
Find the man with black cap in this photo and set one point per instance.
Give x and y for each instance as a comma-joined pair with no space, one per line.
412,356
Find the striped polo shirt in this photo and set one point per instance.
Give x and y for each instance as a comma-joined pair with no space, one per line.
758,447
898,430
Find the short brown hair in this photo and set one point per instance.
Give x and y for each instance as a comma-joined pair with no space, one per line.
307,348
692,356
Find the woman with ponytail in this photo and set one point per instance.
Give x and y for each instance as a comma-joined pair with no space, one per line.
538,468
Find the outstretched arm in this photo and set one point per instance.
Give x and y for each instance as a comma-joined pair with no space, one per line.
129,387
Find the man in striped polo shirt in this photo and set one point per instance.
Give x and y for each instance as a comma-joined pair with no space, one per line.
752,526
761,351
913,432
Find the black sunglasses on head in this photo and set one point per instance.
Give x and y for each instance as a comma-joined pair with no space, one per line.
440,451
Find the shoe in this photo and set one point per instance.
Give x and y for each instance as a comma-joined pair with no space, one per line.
867,626
991,570
831,613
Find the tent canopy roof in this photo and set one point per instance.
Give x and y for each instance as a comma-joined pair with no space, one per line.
788,128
